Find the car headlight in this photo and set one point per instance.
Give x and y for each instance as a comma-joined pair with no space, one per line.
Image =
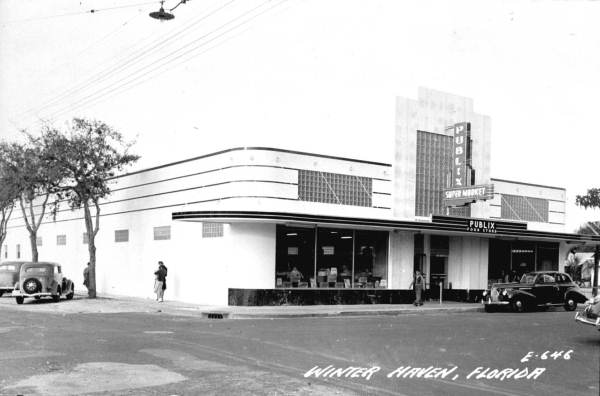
505,293
485,293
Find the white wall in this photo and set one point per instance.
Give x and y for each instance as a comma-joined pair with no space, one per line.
468,262
251,256
402,251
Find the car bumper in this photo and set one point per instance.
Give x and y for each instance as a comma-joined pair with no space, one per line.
17,293
579,317
490,302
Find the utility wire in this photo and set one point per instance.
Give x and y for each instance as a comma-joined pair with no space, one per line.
90,11
133,58
78,54
95,98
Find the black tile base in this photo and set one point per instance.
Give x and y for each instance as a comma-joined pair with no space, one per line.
259,297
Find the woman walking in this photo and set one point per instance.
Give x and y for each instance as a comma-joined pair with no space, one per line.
160,282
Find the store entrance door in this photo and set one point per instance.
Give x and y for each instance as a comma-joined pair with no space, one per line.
439,272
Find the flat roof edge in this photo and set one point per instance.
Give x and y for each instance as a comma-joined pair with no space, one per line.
251,148
528,184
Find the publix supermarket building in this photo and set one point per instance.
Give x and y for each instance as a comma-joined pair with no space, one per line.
260,226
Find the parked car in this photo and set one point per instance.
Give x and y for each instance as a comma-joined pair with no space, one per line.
9,275
590,314
42,279
535,289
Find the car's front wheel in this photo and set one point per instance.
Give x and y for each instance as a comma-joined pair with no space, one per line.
518,305
56,297
20,300
71,294
570,304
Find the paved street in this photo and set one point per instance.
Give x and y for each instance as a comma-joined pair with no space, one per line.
48,351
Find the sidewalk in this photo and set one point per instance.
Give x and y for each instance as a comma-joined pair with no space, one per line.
119,304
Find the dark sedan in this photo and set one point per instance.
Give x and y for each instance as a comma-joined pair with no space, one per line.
535,289
9,275
590,314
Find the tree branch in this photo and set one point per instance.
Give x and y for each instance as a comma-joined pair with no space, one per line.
97,217
43,212
25,214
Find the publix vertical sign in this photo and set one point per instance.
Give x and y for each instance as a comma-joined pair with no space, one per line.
461,154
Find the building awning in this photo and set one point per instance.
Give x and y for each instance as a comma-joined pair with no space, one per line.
489,228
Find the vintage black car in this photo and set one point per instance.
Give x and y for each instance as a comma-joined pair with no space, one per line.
9,275
590,314
42,279
535,289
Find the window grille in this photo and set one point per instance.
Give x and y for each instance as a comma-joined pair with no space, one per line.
38,241
433,169
516,207
212,230
121,235
86,240
61,239
315,186
162,233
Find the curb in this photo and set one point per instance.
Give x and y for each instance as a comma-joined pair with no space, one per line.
332,314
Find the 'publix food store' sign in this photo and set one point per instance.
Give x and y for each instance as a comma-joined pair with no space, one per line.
481,226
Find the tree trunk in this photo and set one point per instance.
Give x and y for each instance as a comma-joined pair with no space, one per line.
31,227
33,242
6,212
91,250
595,280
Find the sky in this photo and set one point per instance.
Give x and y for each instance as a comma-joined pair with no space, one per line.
311,75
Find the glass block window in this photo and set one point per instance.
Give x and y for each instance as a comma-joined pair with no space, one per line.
334,188
517,207
162,233
61,239
212,230
121,235
86,240
433,169
38,241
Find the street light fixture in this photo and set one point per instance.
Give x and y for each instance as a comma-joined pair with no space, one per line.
163,15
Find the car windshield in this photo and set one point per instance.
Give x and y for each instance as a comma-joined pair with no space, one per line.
8,267
37,269
527,278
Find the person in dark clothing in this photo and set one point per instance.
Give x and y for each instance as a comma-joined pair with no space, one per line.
160,282
419,285
86,276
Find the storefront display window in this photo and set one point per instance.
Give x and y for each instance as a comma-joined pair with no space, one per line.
331,258
295,256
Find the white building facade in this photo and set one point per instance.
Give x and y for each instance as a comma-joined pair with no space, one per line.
258,225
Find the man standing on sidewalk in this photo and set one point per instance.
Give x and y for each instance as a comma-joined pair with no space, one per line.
86,276
419,285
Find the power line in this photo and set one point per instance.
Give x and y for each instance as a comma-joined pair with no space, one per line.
133,58
95,98
79,53
90,11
